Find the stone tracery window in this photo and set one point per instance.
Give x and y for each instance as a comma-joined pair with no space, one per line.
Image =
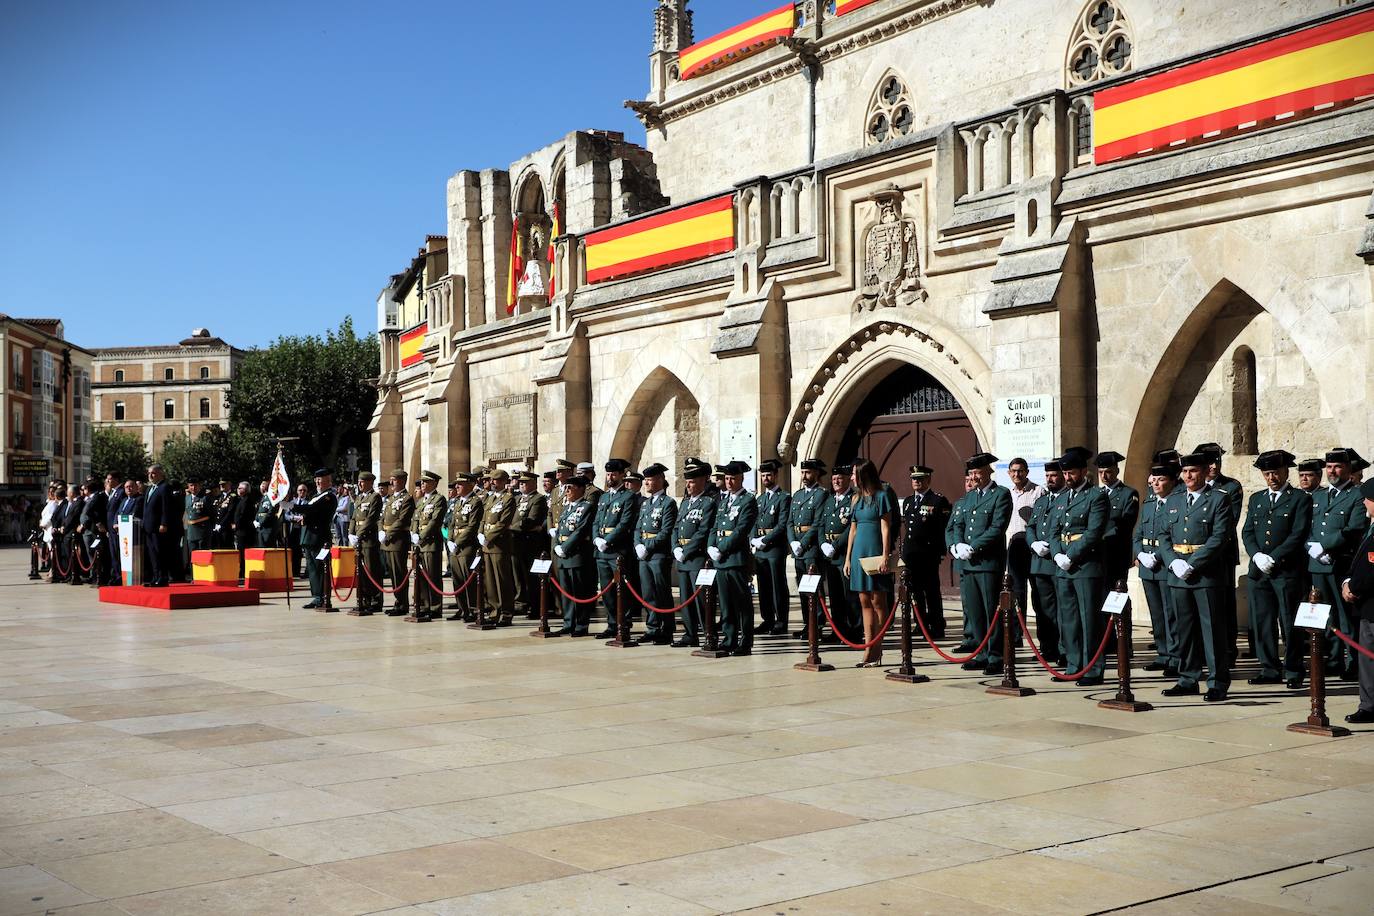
890,114
1101,46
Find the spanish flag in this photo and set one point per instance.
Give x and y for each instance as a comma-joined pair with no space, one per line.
737,43
849,6
554,233
411,342
662,240
517,267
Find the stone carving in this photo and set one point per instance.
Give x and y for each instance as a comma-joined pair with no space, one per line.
890,272
532,281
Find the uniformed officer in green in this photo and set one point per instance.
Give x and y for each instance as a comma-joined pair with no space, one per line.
1124,503
531,541
977,537
199,514
426,534
364,519
1277,520
1235,501
956,512
394,537
728,548
1154,575
265,518
806,512
1080,585
834,546
654,552
1310,474
1193,548
563,470
453,572
588,472
317,535
1040,528
463,545
1339,523
614,533
497,538
696,515
769,545
576,556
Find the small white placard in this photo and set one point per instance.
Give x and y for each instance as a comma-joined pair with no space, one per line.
1313,616
95,543
323,554
706,577
452,547
541,567
809,585
1115,603
476,562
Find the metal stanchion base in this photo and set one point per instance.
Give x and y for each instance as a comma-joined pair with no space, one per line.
1321,731
545,634
1125,705
906,677
806,666
1002,690
416,617
628,643
326,610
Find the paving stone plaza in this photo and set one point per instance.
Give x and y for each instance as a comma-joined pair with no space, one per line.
260,760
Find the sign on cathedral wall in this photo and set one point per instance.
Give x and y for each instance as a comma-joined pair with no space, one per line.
508,427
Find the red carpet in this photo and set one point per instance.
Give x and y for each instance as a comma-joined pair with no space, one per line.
178,597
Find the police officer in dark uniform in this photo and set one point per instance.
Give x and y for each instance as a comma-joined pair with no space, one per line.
769,545
317,535
835,520
696,515
1044,594
1338,526
728,548
925,514
576,555
1124,503
1235,501
653,544
1276,524
805,515
1154,575
1357,590
616,515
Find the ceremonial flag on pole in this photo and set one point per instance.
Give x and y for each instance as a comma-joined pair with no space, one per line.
517,268
554,233
280,487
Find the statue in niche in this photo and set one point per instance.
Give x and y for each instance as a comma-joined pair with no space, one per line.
891,266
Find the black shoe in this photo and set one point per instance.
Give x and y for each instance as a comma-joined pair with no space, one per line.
683,643
606,634
1091,681
505,622
1351,674
1155,666
1215,694
780,630
398,612
738,652
993,668
564,631
1265,680
1170,671
577,635
310,605
971,665
1293,683
799,634
939,633
829,639
963,646
1360,717
763,629
1178,690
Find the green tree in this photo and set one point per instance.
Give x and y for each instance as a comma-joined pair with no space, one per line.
316,389
217,452
115,450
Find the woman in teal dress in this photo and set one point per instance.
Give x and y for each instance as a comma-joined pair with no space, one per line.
869,533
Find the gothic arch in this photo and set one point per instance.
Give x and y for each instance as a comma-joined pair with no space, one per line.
891,102
660,366
1101,45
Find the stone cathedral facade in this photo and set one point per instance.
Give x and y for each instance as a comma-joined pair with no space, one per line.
906,228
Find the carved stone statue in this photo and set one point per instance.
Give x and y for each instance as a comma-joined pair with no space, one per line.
890,272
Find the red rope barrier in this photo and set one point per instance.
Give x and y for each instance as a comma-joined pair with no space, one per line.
335,589
462,588
382,588
76,553
658,610
593,599
1352,644
920,620
55,561
877,640
1101,650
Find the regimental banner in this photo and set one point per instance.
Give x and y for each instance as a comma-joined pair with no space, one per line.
411,342
737,43
1321,65
849,6
662,240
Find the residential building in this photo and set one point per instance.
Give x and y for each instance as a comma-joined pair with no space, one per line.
45,402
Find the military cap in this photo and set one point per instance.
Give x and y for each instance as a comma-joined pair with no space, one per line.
617,464
191,479
980,460
695,469
323,472
585,466
1108,459
499,474
527,477
564,464
1367,489
1274,460
367,475
1195,460
1341,456
718,469
1085,453
430,476
1357,463
1166,456
1054,466
654,470
770,466
635,475
399,474
920,472
1211,450
844,469
575,482
1312,465
737,468
384,482
1073,461
482,471
813,464
465,478
550,475
1168,469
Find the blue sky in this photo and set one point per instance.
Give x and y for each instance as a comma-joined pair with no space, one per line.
260,168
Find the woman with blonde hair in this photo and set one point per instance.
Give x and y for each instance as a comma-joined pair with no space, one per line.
870,533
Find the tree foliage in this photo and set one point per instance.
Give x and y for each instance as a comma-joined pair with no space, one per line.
236,454
119,451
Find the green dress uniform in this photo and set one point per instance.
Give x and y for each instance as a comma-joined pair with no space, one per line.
531,543
1124,505
770,559
834,545
1081,589
1276,525
696,516
498,554
1338,525
1154,518
464,549
1231,489
265,521
1044,593
1196,532
364,518
956,514
394,535
426,528
982,525
198,521
317,533
577,563
653,546
615,529
736,519
804,521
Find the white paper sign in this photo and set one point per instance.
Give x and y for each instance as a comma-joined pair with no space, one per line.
1313,616
706,577
809,585
1024,426
1115,603
739,442
476,562
323,554
541,567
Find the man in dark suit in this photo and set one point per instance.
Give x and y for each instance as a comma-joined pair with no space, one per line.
925,514
92,529
241,517
157,526
1358,591
114,498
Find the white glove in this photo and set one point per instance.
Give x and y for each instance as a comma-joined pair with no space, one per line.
381,537
452,547
1325,559
964,551
678,555
600,544
1041,548
257,524
1315,550
553,532
1187,571
558,549
1179,568
414,537
1263,562
1147,560
217,527
1063,562
641,551
352,540
796,548
713,553
481,539
756,543
828,549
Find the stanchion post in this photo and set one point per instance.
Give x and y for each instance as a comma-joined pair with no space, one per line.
1124,700
482,622
33,562
328,606
543,631
1317,722
710,648
358,573
813,635
415,616
622,638
1010,686
906,671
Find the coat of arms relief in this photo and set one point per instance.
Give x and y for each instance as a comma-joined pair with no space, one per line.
890,265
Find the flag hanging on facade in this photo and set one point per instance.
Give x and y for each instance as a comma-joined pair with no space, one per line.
280,487
554,233
517,268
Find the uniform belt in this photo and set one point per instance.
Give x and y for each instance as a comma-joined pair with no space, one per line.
765,531
562,538
647,535
683,542
723,533
803,528
832,537
1149,542
1186,549
1070,538
608,530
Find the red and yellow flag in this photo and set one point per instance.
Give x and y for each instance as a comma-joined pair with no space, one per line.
554,233
1324,64
737,43
849,6
411,342
516,267
662,240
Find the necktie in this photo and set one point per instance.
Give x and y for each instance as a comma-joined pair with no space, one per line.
1273,497
1192,498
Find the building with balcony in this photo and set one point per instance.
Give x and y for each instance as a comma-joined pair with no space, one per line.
159,390
913,229
45,399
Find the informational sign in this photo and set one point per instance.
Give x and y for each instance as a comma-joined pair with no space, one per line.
476,562
739,441
1024,427
541,567
1115,603
1313,616
809,585
706,577
130,554
21,466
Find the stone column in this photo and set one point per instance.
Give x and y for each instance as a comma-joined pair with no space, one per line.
496,226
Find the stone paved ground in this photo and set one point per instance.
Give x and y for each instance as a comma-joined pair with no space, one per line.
265,761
